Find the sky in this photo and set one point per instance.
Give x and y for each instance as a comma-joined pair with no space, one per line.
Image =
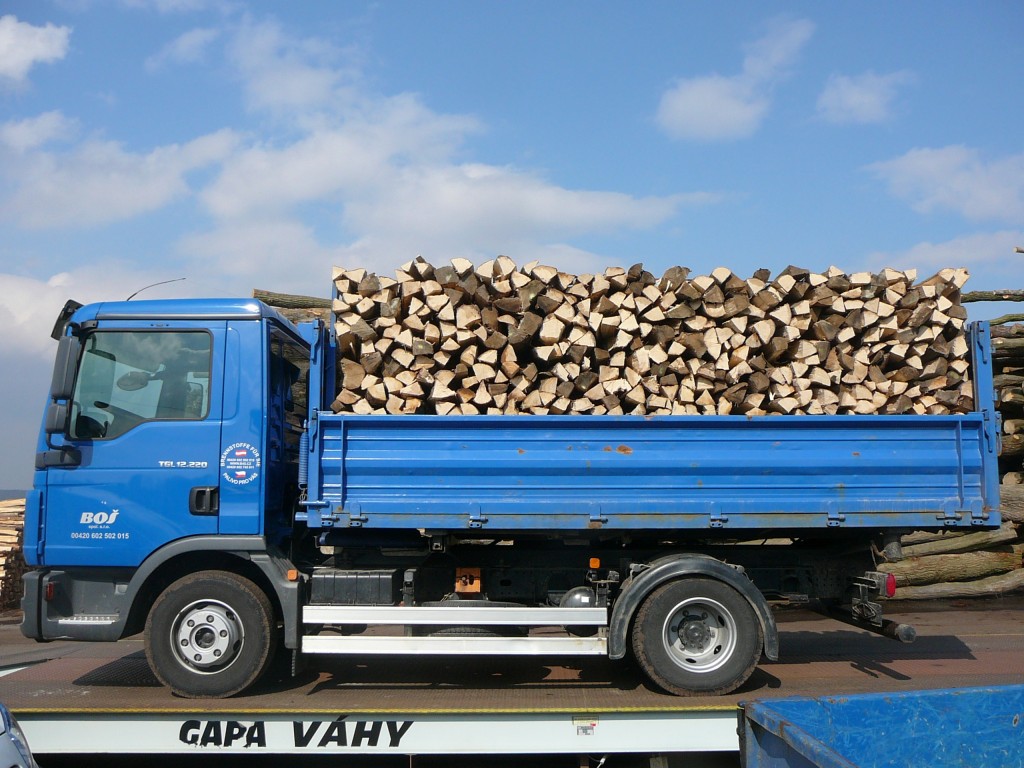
243,145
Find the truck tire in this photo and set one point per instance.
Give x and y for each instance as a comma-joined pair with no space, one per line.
210,634
697,636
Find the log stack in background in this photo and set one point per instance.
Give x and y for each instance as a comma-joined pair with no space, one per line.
460,339
12,559
957,565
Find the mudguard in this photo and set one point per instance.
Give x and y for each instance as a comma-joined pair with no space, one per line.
637,588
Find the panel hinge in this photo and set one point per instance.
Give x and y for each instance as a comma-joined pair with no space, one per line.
718,519
951,515
979,514
356,518
835,517
477,519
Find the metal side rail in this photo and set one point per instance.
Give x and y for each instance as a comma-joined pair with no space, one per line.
462,616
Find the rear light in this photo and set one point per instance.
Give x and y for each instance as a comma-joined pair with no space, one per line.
890,585
49,591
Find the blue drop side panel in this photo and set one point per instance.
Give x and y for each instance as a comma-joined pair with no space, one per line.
964,726
522,473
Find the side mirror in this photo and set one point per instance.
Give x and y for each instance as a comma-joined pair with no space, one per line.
62,386
56,419
70,307
133,381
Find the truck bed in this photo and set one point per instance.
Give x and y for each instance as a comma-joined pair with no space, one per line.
657,473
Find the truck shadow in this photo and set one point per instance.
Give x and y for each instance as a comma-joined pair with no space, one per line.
131,671
437,673
848,645
861,652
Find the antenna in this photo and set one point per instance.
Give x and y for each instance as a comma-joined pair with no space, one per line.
151,285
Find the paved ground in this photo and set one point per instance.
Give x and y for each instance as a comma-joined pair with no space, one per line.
960,644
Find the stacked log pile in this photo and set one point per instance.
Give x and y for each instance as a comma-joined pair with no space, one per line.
955,565
460,339
12,560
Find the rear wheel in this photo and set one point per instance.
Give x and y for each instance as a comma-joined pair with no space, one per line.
211,634
697,636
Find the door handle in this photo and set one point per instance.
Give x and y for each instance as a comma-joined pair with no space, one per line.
204,500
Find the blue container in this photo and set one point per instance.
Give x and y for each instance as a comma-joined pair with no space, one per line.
976,727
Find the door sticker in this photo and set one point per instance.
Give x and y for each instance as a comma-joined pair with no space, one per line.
240,463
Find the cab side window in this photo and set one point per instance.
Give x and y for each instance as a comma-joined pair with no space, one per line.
126,378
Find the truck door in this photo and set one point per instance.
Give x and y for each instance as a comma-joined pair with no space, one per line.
146,416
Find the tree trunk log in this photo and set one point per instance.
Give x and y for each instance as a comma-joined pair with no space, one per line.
936,569
290,301
966,543
972,296
993,585
1011,502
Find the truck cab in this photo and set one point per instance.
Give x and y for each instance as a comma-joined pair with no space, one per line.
172,428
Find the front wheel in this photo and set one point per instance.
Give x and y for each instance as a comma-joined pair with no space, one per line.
210,634
697,636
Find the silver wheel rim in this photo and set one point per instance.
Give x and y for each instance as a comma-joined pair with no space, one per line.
206,636
699,635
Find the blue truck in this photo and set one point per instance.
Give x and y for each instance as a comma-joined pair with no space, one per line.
192,483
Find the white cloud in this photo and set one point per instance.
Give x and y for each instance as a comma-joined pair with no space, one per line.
969,250
958,179
865,98
99,182
337,157
281,73
189,48
988,256
389,169
34,132
276,253
23,45
177,6
29,305
478,203
718,107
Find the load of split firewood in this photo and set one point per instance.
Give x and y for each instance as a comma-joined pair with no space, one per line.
12,560
496,338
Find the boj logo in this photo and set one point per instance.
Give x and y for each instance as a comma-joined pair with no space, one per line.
99,518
